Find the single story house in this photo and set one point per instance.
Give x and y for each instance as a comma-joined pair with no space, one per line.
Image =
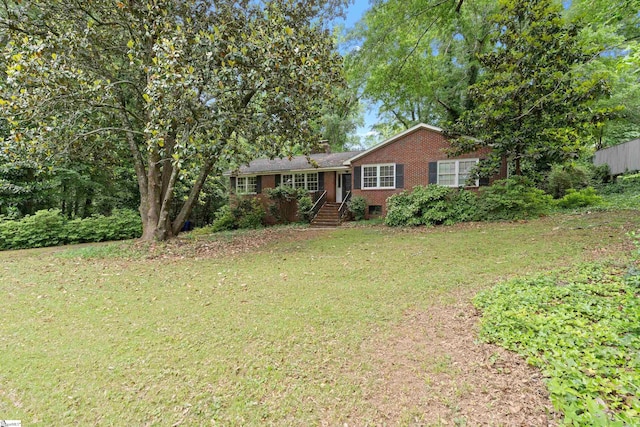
414,157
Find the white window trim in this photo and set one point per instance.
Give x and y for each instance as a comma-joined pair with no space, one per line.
306,180
457,173
241,190
377,166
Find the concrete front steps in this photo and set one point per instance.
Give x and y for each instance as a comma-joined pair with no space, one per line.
328,216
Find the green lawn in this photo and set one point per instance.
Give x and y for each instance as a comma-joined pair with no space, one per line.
271,335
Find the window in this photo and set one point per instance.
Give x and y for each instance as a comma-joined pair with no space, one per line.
246,184
287,181
312,181
375,210
379,176
308,181
455,173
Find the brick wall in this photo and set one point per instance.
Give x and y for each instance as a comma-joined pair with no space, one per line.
415,151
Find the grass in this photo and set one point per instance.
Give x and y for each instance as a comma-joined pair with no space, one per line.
272,336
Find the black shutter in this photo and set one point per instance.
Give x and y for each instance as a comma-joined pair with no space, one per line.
259,184
232,188
278,177
320,181
399,176
357,174
484,182
433,172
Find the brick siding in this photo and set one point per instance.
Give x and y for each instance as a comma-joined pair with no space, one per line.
415,150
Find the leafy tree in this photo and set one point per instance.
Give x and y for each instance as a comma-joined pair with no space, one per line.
416,58
186,87
536,102
615,26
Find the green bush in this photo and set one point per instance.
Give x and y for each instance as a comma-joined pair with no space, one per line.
304,209
576,199
430,205
249,213
629,180
284,201
628,183
224,220
568,176
600,174
50,228
512,198
357,205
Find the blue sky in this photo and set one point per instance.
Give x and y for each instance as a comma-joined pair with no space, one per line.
354,13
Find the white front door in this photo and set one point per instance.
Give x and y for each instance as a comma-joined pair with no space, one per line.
338,187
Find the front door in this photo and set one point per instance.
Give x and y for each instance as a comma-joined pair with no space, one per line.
346,183
343,185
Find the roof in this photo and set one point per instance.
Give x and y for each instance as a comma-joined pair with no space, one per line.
298,163
392,140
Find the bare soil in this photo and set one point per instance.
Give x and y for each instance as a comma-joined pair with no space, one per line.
432,370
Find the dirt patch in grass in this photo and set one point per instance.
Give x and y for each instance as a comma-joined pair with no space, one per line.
431,370
221,244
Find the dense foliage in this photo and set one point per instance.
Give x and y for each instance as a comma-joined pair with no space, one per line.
537,102
512,198
51,228
430,205
419,71
186,88
357,206
581,329
288,203
579,198
247,213
563,177
439,64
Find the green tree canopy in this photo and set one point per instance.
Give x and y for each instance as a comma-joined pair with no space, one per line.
416,58
536,103
186,87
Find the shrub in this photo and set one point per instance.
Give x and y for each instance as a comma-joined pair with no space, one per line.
628,183
600,174
512,198
224,220
284,201
576,199
567,176
629,180
357,206
304,209
50,228
249,213
430,205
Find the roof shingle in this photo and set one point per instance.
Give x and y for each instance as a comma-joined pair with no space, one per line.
324,161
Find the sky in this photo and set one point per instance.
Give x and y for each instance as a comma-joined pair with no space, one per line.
354,13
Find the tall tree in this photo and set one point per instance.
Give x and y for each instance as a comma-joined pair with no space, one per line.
415,59
615,27
536,103
183,85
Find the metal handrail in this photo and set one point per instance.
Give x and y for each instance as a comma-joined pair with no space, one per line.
318,204
343,206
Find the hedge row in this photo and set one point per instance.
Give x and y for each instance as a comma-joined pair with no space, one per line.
509,199
51,228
